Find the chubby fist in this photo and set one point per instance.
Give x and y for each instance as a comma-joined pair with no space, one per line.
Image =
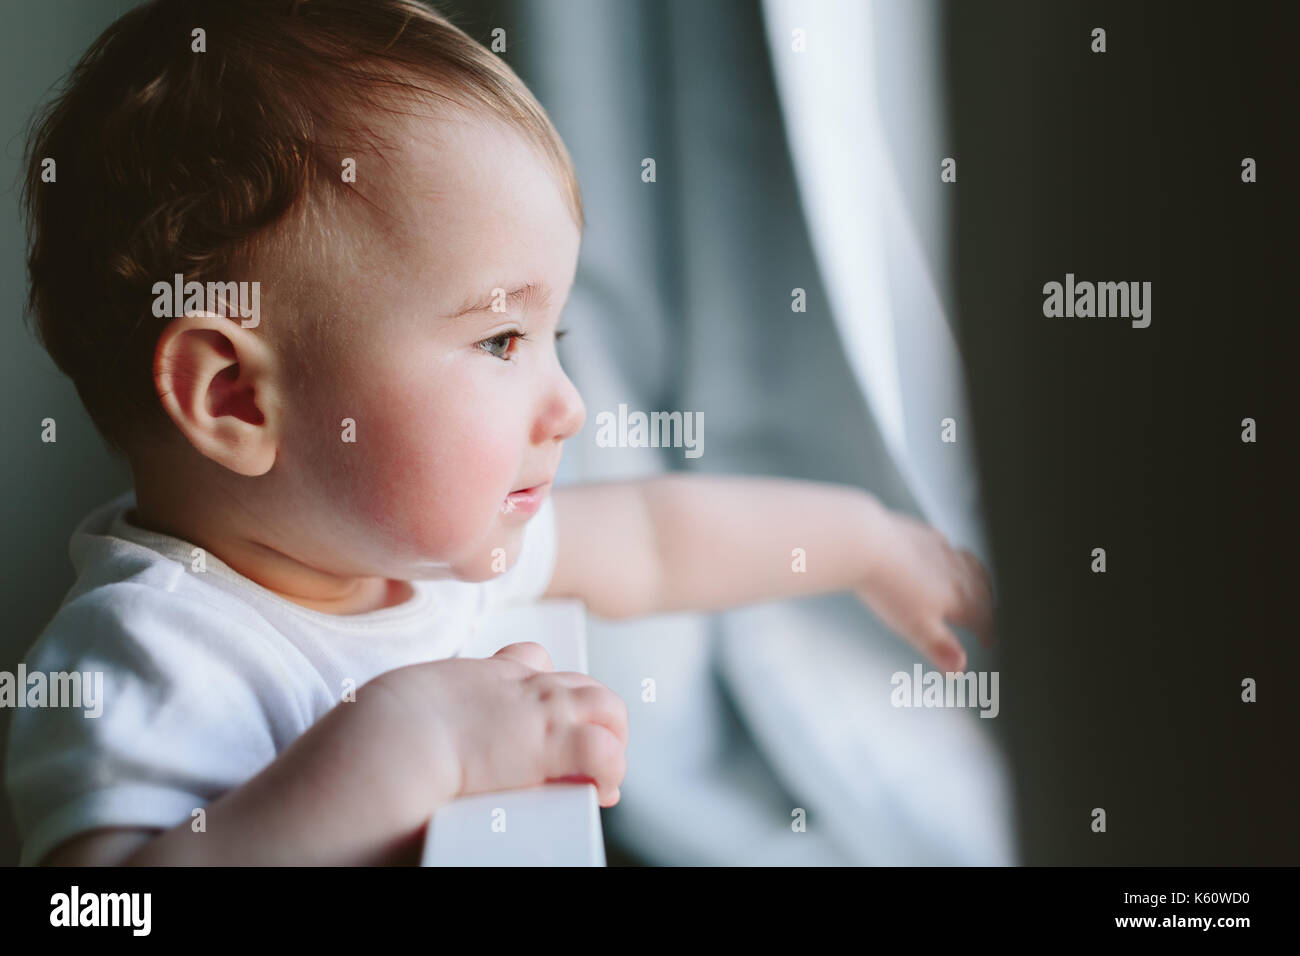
511,721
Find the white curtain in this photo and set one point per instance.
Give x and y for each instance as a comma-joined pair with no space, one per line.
883,297
683,302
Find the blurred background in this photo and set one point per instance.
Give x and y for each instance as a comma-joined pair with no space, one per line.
800,145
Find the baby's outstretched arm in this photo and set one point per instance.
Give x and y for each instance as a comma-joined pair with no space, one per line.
706,542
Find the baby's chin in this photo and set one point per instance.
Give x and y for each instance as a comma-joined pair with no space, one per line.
497,555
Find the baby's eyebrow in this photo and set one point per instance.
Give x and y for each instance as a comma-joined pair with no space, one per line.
533,294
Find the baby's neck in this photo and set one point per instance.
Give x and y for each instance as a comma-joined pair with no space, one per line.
236,537
367,594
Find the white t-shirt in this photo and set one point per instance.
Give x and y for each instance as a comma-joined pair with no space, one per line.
207,676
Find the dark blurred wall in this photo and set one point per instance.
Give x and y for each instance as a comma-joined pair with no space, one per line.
48,487
1123,690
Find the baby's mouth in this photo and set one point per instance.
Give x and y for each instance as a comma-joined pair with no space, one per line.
526,500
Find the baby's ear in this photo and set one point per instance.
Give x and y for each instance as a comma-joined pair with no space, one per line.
219,383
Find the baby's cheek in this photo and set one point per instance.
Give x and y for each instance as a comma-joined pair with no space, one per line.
385,477
435,464
436,500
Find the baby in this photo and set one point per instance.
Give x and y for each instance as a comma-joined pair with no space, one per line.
331,487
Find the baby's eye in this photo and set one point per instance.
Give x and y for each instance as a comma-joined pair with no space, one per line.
502,341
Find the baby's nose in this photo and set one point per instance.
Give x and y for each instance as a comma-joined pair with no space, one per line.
565,416
575,411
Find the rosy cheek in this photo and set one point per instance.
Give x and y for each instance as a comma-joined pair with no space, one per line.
434,478
438,446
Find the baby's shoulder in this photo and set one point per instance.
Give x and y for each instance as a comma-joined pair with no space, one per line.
155,614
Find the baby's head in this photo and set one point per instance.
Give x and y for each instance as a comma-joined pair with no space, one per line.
407,210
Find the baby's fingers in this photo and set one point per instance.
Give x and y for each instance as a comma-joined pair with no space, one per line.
592,752
529,653
941,646
588,700
976,608
605,800
597,704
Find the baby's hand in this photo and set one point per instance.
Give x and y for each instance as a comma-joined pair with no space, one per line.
511,721
920,582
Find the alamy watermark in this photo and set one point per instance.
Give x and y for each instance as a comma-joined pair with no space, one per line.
75,908
955,689
229,299
55,689
656,430
1086,300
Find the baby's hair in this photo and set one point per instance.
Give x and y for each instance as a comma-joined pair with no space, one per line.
170,160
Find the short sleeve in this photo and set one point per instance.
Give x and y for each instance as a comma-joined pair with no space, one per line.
185,707
528,579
